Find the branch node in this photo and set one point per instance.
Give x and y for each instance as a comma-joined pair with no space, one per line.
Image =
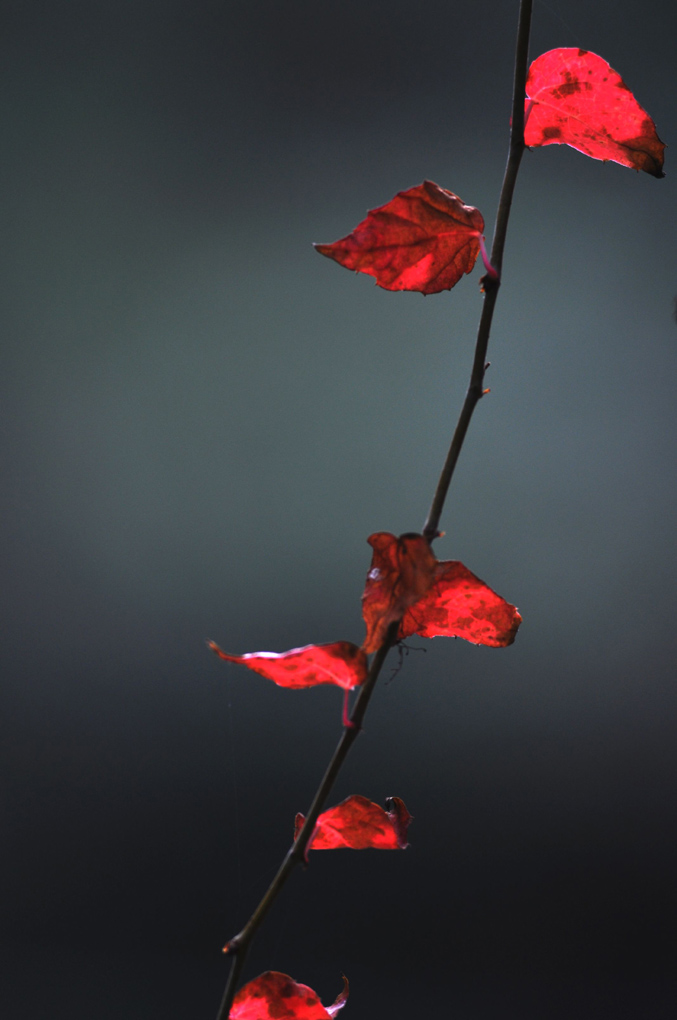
489,283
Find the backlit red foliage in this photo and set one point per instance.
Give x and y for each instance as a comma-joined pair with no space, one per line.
402,571
275,996
434,598
359,824
340,663
424,239
460,605
575,98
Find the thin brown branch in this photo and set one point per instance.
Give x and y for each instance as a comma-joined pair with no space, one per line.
239,945
491,285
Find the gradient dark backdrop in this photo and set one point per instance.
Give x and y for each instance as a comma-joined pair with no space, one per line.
202,422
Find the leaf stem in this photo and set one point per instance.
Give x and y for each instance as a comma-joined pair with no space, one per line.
238,946
490,284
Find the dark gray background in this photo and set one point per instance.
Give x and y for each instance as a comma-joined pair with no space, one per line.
202,422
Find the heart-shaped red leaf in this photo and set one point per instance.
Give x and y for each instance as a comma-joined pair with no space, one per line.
575,98
458,604
433,598
341,663
276,996
402,570
424,239
359,824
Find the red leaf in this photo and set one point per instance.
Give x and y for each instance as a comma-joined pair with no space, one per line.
402,570
340,663
424,239
275,996
460,605
359,824
575,98
433,598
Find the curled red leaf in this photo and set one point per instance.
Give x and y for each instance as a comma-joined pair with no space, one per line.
359,824
424,239
276,996
341,663
433,598
402,570
576,99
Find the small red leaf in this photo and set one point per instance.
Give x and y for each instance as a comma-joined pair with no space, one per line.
424,239
341,663
433,598
359,824
402,570
576,99
275,996
458,604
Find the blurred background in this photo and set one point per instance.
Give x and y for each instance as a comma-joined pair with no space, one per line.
202,422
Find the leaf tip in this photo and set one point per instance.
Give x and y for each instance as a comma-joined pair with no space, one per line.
341,998
399,818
